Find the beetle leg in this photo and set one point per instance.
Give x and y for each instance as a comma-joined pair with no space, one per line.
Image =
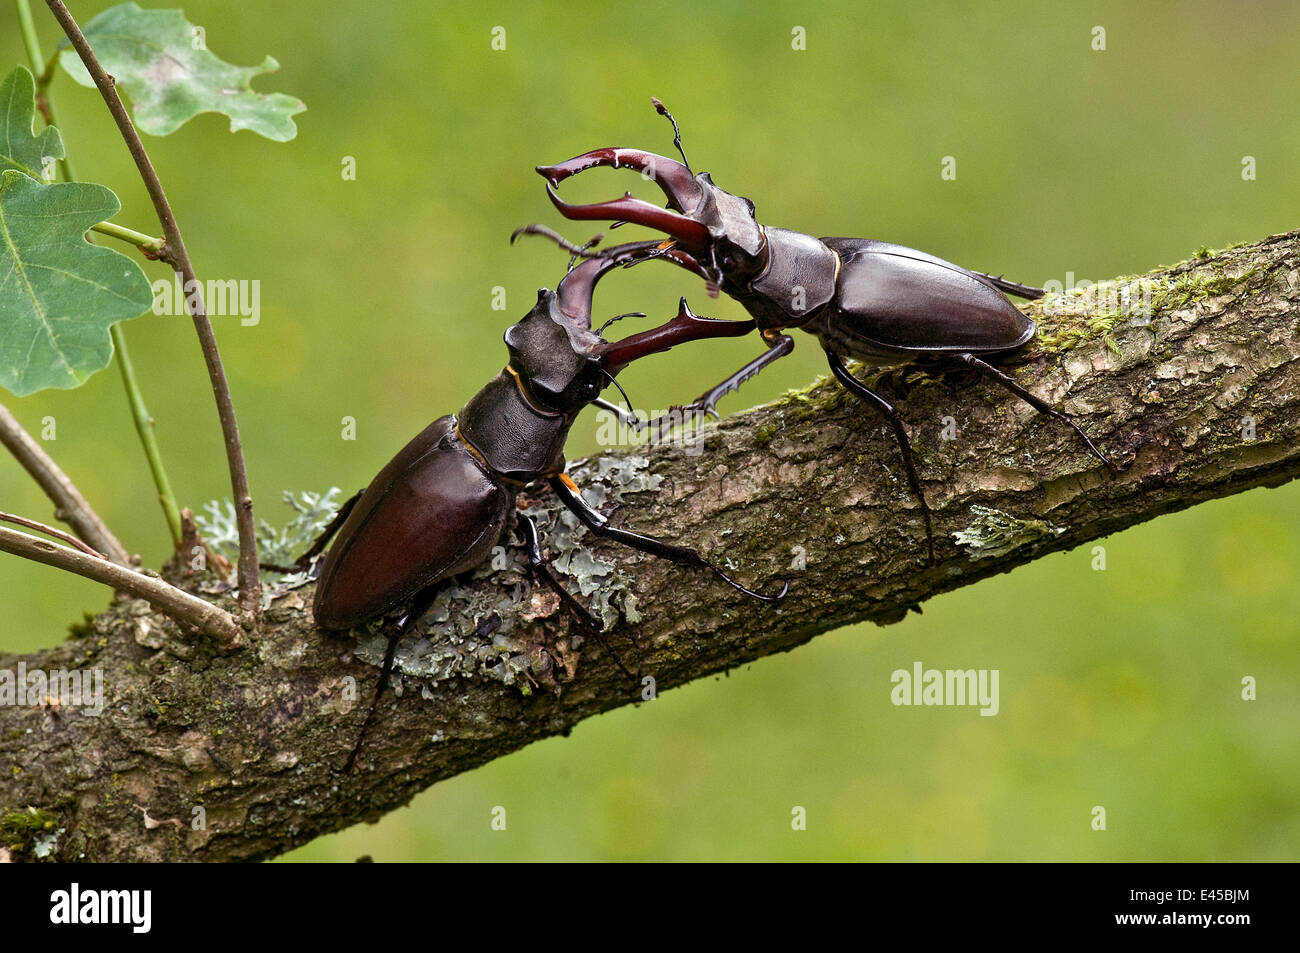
303,562
779,345
991,372
419,606
527,529
626,417
861,390
384,673
571,497
1011,287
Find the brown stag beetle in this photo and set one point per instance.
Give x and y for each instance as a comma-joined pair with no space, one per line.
879,303
440,506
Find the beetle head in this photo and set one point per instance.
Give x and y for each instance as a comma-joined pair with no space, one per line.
554,357
737,245
559,359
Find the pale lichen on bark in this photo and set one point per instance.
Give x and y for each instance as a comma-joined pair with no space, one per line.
1197,400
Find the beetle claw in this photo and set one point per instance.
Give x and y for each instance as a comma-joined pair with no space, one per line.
785,586
676,180
574,292
639,212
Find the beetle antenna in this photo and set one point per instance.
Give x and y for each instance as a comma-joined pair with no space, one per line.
662,110
619,317
627,400
713,273
713,283
576,251
582,251
658,252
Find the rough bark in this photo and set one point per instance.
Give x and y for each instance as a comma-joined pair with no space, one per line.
1197,400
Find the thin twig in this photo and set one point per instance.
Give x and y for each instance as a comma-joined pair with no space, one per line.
50,531
144,428
172,602
175,254
70,505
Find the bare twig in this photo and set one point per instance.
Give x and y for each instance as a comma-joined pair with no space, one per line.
172,602
175,254
71,506
50,531
144,428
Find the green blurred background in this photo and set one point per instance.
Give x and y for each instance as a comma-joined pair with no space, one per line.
1119,688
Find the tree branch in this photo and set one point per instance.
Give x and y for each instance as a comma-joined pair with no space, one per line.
1200,399
51,531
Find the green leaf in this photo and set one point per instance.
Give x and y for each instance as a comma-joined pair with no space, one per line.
162,62
58,292
20,147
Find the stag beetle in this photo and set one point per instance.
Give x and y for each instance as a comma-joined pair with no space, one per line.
440,506
879,303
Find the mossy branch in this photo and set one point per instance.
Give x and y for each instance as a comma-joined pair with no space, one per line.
205,756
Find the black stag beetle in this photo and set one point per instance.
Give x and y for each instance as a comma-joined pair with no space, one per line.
879,303
440,506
